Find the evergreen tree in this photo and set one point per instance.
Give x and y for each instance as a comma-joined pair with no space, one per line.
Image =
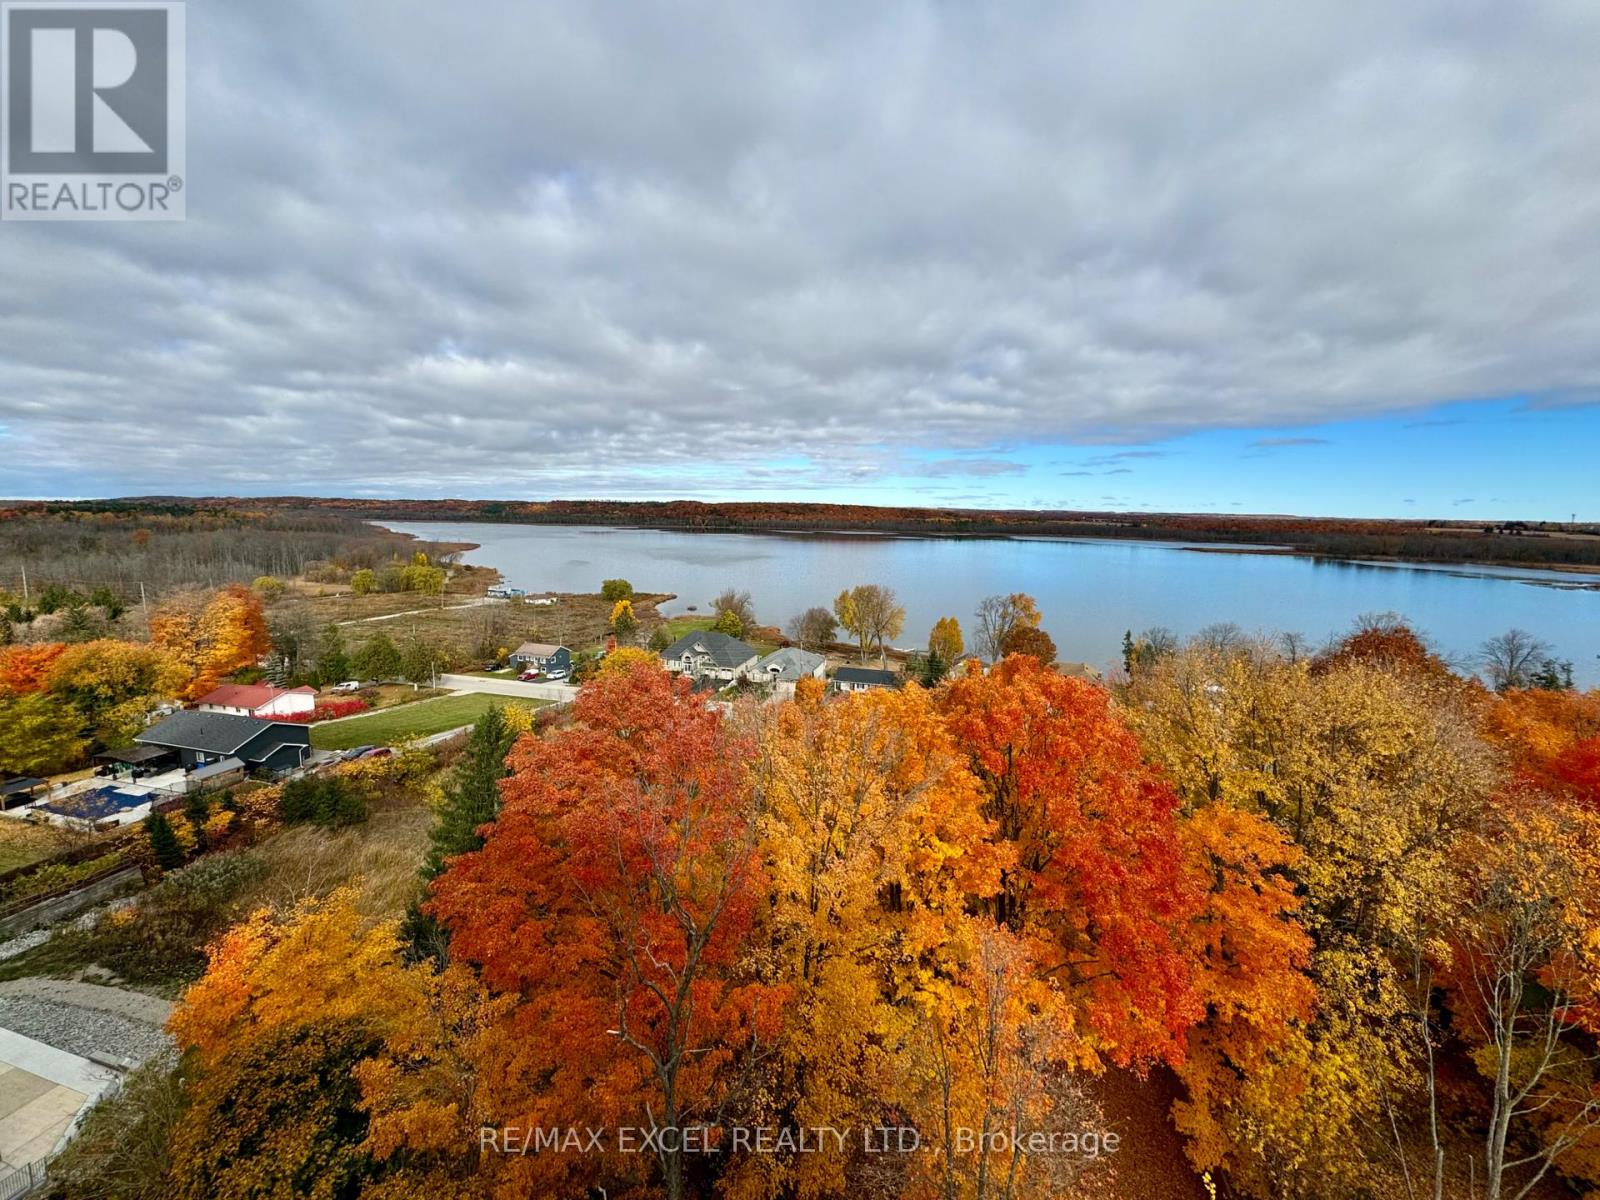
163,842
333,664
471,800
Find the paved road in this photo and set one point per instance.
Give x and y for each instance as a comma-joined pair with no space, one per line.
508,687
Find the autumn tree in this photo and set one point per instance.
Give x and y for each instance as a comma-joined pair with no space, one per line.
872,830
1526,975
211,634
616,589
997,617
1100,888
114,685
26,668
728,623
739,603
622,621
626,659
40,734
944,642
364,581
870,613
1032,641
612,896
1375,774
815,629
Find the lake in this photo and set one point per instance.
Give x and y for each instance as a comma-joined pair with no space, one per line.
1088,591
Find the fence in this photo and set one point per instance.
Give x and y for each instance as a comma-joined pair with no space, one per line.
19,1181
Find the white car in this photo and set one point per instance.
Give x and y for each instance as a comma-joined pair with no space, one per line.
555,676
349,685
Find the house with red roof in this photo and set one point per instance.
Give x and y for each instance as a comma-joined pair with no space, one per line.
258,700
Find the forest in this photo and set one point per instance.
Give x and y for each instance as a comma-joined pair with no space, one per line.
1343,907
95,545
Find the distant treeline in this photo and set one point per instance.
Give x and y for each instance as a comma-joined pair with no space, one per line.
1533,543
171,544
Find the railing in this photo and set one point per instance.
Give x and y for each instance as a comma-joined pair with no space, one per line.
19,1181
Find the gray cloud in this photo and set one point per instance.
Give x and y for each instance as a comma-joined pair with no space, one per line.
615,249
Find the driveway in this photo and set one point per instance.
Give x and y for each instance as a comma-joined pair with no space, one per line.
508,687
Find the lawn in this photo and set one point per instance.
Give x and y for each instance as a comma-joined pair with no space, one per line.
22,842
388,726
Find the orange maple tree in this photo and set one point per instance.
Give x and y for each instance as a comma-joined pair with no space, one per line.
211,634
26,668
1100,886
613,895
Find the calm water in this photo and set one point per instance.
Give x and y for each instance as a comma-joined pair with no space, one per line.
1089,591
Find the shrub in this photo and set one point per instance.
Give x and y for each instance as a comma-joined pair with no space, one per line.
330,801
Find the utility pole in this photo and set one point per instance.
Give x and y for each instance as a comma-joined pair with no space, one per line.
24,585
144,606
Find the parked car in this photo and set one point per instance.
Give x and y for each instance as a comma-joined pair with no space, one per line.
356,752
378,752
528,676
556,675
349,685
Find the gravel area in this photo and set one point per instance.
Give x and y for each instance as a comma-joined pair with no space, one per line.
82,1031
38,937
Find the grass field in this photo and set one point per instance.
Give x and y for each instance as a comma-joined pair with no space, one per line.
22,842
411,720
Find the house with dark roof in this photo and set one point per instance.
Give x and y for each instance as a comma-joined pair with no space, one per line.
202,739
258,700
542,657
709,655
863,679
785,668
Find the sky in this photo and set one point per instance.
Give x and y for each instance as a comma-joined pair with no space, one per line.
1333,258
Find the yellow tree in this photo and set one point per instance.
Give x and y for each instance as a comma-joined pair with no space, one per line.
114,685
945,642
211,634
1375,772
872,828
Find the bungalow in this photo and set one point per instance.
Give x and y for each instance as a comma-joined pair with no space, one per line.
709,655
784,668
260,700
863,679
541,657
202,739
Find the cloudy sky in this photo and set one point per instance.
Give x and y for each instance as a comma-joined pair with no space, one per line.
1309,257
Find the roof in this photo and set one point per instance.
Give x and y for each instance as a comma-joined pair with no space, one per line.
866,675
12,786
221,767
134,754
723,650
535,650
211,732
249,695
790,663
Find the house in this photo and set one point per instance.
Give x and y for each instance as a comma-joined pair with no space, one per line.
260,700
500,591
784,668
204,738
863,679
709,655
541,657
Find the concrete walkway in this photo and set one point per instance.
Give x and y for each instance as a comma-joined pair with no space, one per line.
508,687
42,1092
